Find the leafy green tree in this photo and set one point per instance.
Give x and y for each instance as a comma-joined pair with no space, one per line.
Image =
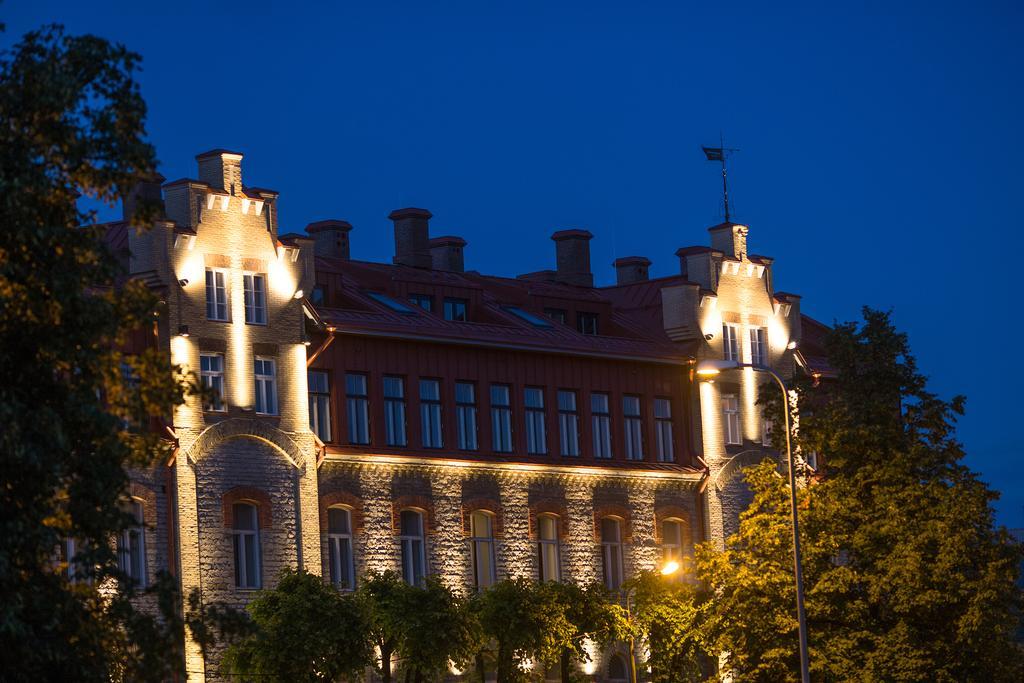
75,409
670,617
437,630
305,630
593,615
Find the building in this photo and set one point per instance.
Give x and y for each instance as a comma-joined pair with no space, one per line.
428,419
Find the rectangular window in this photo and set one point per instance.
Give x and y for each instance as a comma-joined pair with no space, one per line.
266,386
731,419
339,548
730,343
357,406
246,535
430,413
586,323
672,542
663,429
536,430
568,423
394,411
455,309
501,418
211,374
601,423
759,346
131,547
547,548
465,413
216,295
255,298
319,404
559,315
414,559
318,297
482,549
633,427
611,552
424,301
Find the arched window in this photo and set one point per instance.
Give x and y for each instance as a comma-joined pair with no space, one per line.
246,534
131,546
481,544
616,669
547,548
339,548
611,551
672,541
414,563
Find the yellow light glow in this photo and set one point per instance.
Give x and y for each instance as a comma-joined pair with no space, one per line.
590,666
281,278
670,568
708,371
191,268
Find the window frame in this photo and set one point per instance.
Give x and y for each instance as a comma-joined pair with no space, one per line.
335,540
357,410
582,326
759,347
217,304
730,342
396,424
468,438
417,299
732,426
254,312
479,544
664,430
450,307
548,548
243,540
559,315
131,545
675,549
567,417
633,426
431,414
320,406
501,415
413,547
612,562
265,386
601,426
210,378
536,422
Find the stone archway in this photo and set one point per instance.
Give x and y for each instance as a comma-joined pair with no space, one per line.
214,435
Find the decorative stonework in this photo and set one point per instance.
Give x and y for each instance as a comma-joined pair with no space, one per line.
346,499
489,505
221,431
247,494
421,503
614,510
548,506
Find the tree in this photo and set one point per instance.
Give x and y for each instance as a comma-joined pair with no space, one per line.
670,616
305,630
593,615
436,630
75,409
906,576
384,601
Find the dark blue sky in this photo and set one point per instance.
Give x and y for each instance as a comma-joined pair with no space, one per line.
880,163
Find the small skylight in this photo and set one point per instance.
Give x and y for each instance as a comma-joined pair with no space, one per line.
396,306
528,317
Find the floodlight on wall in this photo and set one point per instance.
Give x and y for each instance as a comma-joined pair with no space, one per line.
298,294
183,282
711,368
182,330
791,345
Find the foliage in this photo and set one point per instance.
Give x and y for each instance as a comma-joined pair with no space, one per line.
383,598
305,630
72,125
436,630
670,615
906,576
593,615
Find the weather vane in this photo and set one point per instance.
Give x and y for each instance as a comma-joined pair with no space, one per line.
719,154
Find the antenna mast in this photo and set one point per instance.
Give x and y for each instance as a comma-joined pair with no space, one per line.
719,154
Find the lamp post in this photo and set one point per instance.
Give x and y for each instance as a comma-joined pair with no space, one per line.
712,368
668,569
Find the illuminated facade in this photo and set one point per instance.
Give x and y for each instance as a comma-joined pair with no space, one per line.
418,417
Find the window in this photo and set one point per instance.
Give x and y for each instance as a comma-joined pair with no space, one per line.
74,569
339,548
759,346
266,386
766,430
247,546
318,297
731,418
601,423
568,423
527,316
255,298
633,425
216,295
394,411
357,406
319,404
536,432
663,429
455,309
559,315
730,343
430,413
396,306
131,547
501,418
547,548
586,323
424,301
413,556
481,545
465,414
211,374
672,542
611,552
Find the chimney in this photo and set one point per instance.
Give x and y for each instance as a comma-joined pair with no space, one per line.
331,238
730,239
572,257
412,241
221,169
629,269
446,253
145,199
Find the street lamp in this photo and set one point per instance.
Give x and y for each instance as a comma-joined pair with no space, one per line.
712,368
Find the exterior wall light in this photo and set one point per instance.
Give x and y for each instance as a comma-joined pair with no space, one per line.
183,282
298,294
182,330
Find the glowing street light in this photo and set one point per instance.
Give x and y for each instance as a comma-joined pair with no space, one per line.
708,369
670,568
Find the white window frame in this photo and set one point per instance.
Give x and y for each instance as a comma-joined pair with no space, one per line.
213,379
548,548
501,420
431,421
481,544
612,565
395,431
320,405
536,428
569,422
242,541
413,547
633,426
131,546
340,569
465,417
255,287
732,428
759,346
357,409
265,385
601,426
672,548
217,295
730,342
663,432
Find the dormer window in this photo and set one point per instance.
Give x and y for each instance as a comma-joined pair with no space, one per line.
559,315
455,309
528,317
586,323
396,306
424,301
